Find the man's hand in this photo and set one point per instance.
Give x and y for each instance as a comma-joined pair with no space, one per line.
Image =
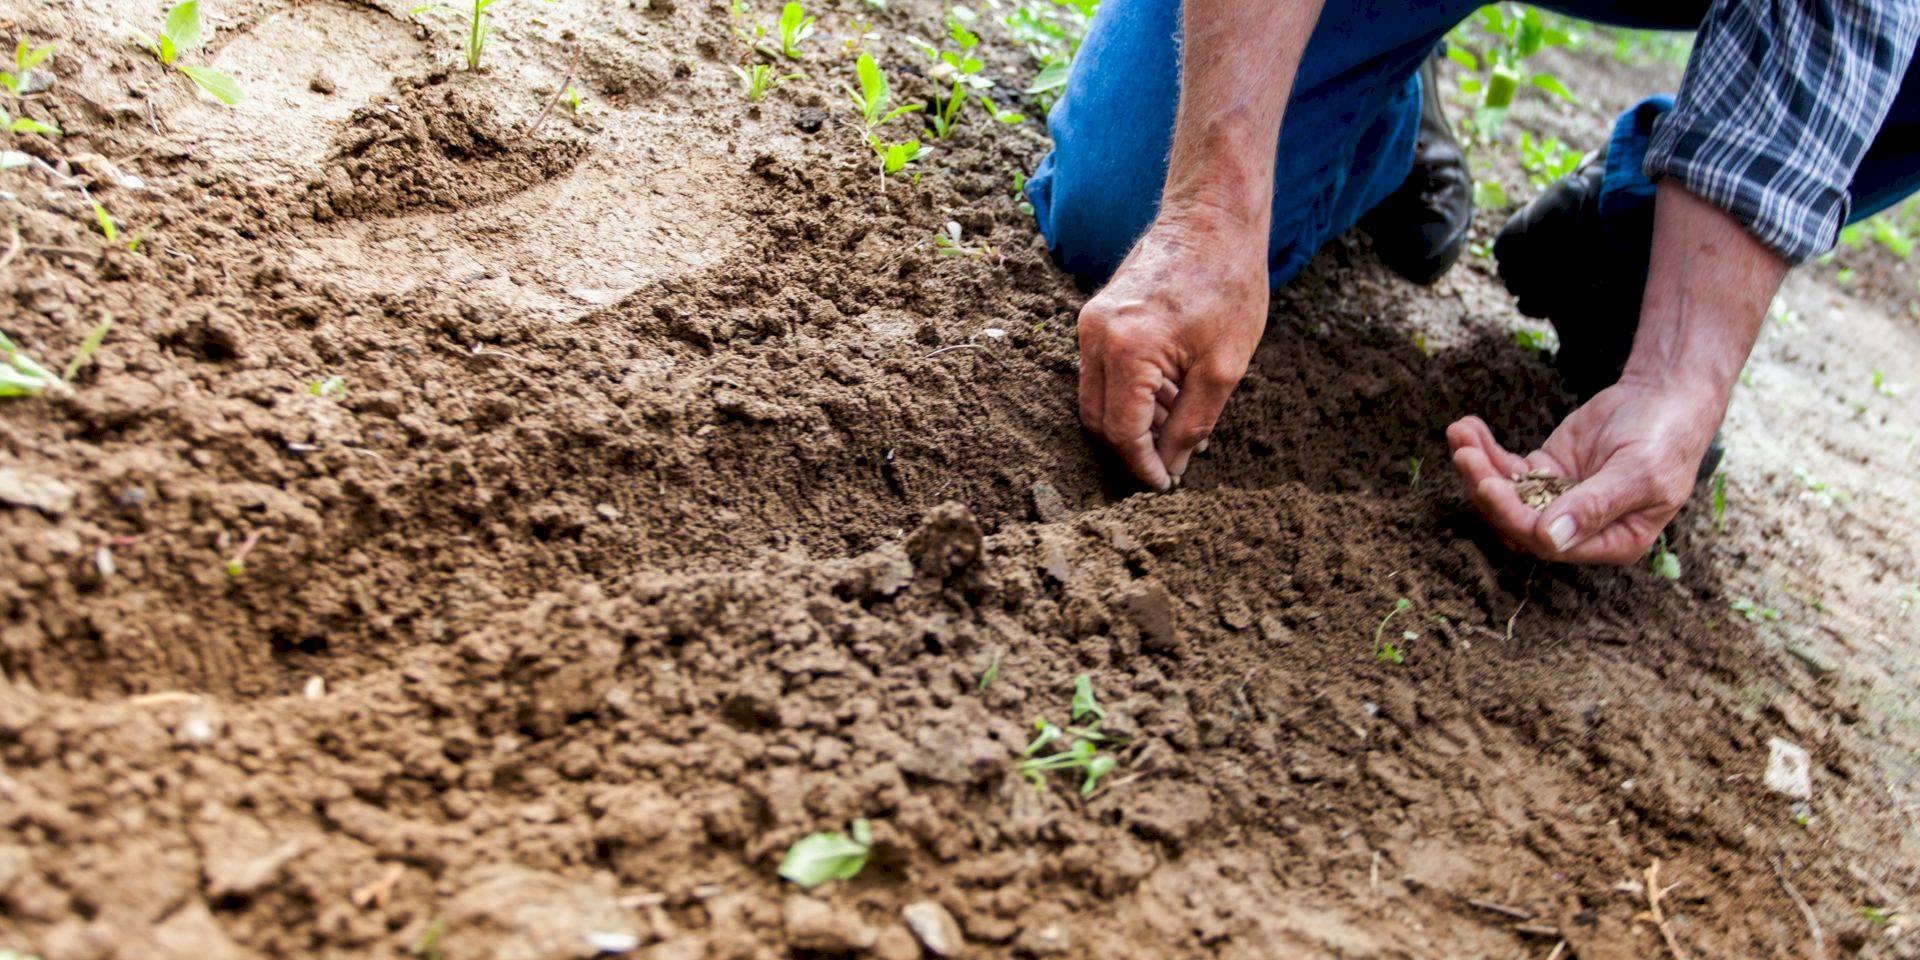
1632,450
1165,343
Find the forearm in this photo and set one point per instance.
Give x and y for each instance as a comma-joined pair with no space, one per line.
1236,73
1707,294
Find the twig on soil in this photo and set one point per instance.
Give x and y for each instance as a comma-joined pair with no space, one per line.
1558,949
1806,909
957,346
68,251
1502,909
1653,914
163,698
573,61
375,894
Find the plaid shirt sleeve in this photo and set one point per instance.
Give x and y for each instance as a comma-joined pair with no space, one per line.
1780,100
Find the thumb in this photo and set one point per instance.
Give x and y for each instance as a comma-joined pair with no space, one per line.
1591,506
1203,394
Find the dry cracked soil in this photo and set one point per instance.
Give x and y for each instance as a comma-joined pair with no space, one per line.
677,494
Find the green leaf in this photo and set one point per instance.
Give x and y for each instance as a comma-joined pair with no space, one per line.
88,346
816,858
1552,84
1097,767
1463,57
873,85
992,672
1083,701
1052,77
30,125
1489,195
108,228
1665,564
167,50
16,384
183,25
223,88
27,57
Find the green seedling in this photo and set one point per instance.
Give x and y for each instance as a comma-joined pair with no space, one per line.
943,115
330,387
26,56
1664,562
183,33
1008,117
1886,389
1877,916
1720,501
758,79
1020,193
862,32
895,157
1490,195
818,857
1051,31
428,946
1541,342
22,376
88,347
795,26
1388,652
1754,612
1820,491
1083,754
111,230
992,673
1546,161
947,243
871,101
237,564
1508,36
958,65
577,103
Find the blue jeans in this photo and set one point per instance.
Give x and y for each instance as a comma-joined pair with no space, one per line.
1347,140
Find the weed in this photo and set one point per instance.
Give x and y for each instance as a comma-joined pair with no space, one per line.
330,387
818,857
182,33
1388,652
875,94
1665,563
795,26
1754,612
759,78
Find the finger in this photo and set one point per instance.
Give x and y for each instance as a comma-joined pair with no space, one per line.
1160,414
1587,514
1163,400
1093,382
1128,418
1474,432
1203,395
1497,501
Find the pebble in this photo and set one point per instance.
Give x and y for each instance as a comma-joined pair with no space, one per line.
1048,505
1789,769
935,928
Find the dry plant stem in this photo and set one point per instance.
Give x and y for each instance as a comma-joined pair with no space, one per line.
1653,914
375,894
1558,949
957,346
573,62
1806,909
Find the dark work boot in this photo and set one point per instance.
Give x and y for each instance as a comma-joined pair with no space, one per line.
1419,230
1585,274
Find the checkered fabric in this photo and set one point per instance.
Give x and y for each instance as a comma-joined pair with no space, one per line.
1780,100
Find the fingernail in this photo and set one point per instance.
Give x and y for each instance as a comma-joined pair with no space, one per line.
1561,532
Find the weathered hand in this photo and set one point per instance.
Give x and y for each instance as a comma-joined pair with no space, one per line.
1163,345
1633,450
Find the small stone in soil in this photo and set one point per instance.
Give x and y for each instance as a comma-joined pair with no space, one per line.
1539,488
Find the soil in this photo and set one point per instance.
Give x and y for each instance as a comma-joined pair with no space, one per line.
657,526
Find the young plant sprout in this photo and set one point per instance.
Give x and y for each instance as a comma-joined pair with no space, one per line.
88,347
478,30
795,26
947,243
1720,501
330,387
1536,340
1665,564
1008,117
895,157
759,78
111,230
26,56
1082,755
992,673
875,94
22,376
818,857
1388,651
183,33
942,115
959,65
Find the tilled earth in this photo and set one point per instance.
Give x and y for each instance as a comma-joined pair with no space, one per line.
680,496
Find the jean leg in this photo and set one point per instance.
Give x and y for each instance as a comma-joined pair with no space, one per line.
1346,143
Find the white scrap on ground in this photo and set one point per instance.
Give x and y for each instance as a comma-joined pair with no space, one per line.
1789,769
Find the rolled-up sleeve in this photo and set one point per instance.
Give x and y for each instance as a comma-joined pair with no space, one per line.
1780,100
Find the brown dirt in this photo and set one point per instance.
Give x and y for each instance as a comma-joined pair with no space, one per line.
654,530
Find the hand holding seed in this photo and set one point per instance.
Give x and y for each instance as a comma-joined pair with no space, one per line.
1604,484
